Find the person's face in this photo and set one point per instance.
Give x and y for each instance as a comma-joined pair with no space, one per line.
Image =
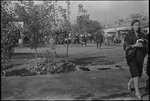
136,26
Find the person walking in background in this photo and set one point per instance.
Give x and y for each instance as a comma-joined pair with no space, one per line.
84,39
99,38
135,48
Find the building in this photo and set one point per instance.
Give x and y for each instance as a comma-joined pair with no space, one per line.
19,25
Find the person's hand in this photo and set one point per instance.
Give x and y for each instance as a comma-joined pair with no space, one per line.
137,44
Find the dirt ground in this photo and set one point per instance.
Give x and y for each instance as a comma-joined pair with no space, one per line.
88,85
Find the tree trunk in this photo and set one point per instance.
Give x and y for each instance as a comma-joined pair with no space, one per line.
54,52
4,69
36,56
4,73
67,48
21,40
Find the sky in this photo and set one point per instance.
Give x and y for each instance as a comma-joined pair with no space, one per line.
112,10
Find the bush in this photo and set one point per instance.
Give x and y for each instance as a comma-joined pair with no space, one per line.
64,68
49,68
42,69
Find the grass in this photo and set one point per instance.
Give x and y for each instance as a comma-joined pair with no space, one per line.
79,55
79,85
101,84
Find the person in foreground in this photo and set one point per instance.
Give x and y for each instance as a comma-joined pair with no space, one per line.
147,69
135,48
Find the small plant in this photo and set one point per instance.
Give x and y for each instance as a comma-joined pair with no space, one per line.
46,66
65,68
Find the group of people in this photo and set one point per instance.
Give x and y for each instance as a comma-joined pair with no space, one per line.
136,48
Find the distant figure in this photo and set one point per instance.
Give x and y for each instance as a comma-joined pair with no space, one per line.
84,39
117,38
108,38
99,38
91,38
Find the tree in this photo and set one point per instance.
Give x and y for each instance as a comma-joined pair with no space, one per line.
137,15
38,22
94,26
29,16
144,18
140,16
84,23
67,24
9,33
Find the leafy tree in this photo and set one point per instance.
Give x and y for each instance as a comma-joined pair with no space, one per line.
140,16
9,33
84,23
67,24
40,22
29,16
137,15
36,21
94,26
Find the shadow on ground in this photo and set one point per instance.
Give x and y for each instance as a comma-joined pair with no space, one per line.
91,61
146,94
109,96
112,96
85,96
26,55
141,88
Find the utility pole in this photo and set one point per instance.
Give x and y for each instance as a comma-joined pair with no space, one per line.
105,18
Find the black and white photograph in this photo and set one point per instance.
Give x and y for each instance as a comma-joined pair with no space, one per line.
74,50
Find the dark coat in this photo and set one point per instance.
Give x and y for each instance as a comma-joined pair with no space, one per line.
99,37
138,53
147,70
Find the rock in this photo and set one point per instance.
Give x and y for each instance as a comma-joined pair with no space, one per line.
39,58
84,68
78,68
119,66
59,64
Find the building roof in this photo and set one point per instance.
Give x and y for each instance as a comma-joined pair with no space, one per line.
110,30
127,22
117,29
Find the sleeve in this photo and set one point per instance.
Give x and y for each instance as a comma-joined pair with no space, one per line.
148,43
127,42
146,48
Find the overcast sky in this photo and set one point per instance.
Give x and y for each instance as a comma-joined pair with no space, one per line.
114,9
